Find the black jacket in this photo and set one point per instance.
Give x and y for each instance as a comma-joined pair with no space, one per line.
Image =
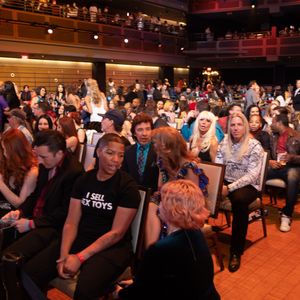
57,197
150,177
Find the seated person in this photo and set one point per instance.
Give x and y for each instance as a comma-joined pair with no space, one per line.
189,122
42,215
96,236
140,159
174,162
204,142
256,132
180,265
285,164
242,157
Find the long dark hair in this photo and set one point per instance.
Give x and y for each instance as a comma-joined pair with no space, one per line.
10,95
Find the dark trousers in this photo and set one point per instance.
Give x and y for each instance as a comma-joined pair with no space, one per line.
40,249
99,272
291,176
240,200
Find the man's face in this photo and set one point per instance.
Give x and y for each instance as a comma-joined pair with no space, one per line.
298,84
274,125
237,129
48,159
36,110
135,102
106,125
111,158
143,133
160,105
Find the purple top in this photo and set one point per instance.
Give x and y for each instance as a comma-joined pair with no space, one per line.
3,105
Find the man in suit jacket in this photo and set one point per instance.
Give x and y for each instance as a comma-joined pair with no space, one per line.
43,213
140,159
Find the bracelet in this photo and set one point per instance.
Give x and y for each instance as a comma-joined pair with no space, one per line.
80,257
31,224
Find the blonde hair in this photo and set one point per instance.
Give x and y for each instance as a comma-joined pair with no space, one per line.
183,204
244,140
94,92
207,137
168,105
171,146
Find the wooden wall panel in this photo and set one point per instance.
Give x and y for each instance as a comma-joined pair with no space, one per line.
47,73
181,73
126,75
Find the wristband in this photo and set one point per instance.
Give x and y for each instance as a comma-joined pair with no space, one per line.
80,257
31,224
27,226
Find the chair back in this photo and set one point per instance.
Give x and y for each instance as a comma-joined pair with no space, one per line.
215,173
138,224
138,227
88,155
95,138
263,172
81,152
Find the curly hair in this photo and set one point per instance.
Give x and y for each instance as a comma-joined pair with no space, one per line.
183,204
16,157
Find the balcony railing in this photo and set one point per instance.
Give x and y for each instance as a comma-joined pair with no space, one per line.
212,6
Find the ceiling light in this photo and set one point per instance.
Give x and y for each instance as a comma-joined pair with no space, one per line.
182,48
126,41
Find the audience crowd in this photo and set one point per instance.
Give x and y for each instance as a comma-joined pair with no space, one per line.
149,134
99,14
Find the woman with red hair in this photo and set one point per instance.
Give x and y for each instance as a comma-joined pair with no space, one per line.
180,265
67,127
18,170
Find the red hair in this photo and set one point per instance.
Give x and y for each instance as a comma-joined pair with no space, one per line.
183,204
20,158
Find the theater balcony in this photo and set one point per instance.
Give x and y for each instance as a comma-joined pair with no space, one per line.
25,31
213,6
264,47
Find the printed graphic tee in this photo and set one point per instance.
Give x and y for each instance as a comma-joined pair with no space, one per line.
99,202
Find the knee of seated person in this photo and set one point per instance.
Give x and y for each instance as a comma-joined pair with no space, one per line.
294,174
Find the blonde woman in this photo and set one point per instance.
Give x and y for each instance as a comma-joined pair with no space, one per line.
204,142
242,157
95,101
168,112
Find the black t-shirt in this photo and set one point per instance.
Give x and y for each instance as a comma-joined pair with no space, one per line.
99,201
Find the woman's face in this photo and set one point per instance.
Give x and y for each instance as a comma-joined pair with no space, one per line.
61,110
237,129
43,124
111,105
254,111
255,123
60,88
42,92
204,125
